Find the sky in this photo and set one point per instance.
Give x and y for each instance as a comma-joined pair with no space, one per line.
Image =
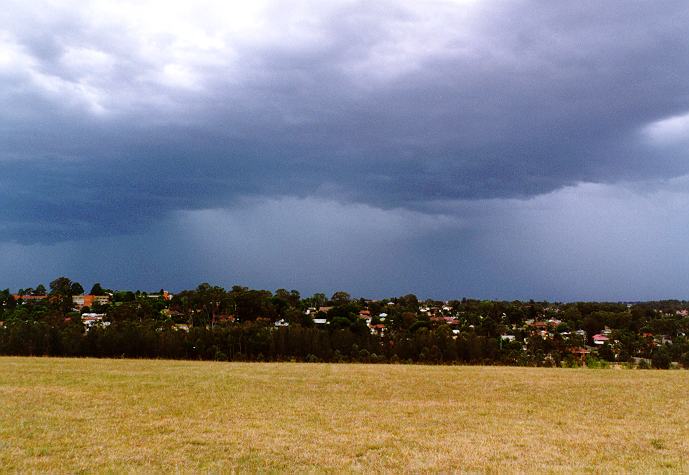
447,148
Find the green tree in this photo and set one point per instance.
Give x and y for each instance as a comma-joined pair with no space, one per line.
61,291
6,302
661,358
97,289
340,298
409,302
318,300
211,300
605,352
77,289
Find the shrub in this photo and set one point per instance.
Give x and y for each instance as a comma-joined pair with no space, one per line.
643,364
595,363
661,358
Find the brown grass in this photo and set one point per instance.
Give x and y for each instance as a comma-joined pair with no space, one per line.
87,415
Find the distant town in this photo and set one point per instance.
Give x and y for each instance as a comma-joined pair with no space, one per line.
242,324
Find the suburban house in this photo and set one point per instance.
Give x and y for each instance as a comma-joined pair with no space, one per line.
600,339
165,296
580,354
93,319
81,301
27,298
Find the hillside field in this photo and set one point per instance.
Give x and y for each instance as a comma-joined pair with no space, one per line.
90,415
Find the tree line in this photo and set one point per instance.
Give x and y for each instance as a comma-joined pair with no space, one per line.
239,324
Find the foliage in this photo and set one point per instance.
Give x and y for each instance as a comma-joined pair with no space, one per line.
661,358
214,323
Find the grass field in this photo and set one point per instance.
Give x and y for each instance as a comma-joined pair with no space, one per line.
87,415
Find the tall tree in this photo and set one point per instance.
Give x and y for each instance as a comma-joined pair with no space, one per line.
211,299
77,289
340,298
97,289
61,291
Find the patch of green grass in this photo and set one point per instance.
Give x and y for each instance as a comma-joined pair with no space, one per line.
89,415
657,444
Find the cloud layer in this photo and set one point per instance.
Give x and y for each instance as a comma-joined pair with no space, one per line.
120,118
579,243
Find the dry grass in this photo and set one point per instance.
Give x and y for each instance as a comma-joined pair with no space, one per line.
71,415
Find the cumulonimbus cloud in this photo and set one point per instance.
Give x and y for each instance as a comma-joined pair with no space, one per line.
113,114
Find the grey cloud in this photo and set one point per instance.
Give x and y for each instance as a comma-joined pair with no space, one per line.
605,242
390,104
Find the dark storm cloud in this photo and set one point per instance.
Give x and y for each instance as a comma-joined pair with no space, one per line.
586,242
112,119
